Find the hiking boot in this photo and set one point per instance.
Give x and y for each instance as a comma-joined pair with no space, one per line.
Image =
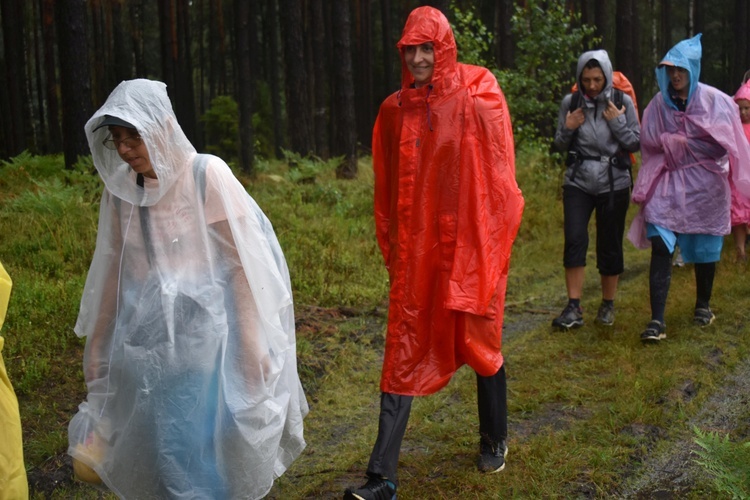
376,488
571,317
654,332
703,316
606,314
491,456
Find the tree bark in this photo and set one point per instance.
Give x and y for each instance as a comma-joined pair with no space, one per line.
345,137
299,113
50,76
363,88
75,85
273,60
504,39
242,15
624,51
15,67
320,76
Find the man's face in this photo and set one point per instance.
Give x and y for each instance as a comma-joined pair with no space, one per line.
593,81
420,59
680,79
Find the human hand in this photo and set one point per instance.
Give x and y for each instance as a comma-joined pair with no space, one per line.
574,119
612,111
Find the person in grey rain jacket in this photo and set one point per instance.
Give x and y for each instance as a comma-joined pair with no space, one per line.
598,137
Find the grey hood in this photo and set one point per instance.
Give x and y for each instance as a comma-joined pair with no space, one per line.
602,57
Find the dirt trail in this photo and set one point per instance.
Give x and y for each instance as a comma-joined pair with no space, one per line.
673,473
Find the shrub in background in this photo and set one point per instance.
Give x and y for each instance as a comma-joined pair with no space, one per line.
222,128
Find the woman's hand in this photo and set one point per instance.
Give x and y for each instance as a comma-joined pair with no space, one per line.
612,111
574,119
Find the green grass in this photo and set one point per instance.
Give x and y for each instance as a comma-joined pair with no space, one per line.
586,408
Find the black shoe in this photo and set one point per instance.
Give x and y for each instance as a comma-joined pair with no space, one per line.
491,456
571,317
654,332
606,314
376,488
703,316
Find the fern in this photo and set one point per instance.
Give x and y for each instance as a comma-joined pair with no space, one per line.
727,462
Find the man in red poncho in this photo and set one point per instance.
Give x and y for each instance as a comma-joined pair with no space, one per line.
447,209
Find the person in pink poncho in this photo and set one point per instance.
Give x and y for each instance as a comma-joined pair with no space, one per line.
689,134
741,204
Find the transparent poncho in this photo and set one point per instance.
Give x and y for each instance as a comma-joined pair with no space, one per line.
190,357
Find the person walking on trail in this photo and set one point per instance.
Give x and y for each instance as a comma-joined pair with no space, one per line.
447,210
599,137
190,358
741,204
691,133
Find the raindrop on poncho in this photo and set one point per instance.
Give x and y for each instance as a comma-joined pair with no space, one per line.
190,357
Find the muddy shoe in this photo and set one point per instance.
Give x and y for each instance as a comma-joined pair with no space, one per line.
703,316
491,456
654,332
606,314
376,488
571,317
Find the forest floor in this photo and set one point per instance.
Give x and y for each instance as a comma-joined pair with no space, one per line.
669,473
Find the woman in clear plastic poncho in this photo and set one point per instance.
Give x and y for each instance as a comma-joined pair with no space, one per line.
190,356
689,133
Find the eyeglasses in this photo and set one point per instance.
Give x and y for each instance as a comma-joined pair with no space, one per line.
130,142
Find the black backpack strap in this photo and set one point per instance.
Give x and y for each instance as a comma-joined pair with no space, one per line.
617,97
145,226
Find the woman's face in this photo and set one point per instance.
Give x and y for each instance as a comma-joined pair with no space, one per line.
420,59
592,80
680,80
132,150
744,105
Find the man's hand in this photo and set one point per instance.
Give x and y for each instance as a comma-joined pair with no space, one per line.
575,119
612,111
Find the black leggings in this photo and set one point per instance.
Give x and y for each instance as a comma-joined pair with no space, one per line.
660,277
394,415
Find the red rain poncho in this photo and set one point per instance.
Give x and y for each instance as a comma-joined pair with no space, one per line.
447,209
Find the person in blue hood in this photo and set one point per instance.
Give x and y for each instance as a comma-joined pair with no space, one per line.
690,133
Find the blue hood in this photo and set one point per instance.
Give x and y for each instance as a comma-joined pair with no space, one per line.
686,54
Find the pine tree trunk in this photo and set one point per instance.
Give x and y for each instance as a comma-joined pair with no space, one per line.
345,137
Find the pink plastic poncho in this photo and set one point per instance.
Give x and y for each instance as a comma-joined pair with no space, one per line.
740,203
447,209
190,357
683,182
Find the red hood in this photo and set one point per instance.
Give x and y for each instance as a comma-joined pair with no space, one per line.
427,24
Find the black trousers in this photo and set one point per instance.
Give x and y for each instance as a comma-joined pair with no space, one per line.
492,399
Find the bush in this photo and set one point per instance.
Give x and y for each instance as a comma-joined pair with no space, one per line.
550,39
222,128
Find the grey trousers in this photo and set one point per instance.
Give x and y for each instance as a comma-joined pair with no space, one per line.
492,399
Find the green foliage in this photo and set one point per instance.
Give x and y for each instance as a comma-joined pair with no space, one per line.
550,39
727,462
473,39
263,122
222,128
